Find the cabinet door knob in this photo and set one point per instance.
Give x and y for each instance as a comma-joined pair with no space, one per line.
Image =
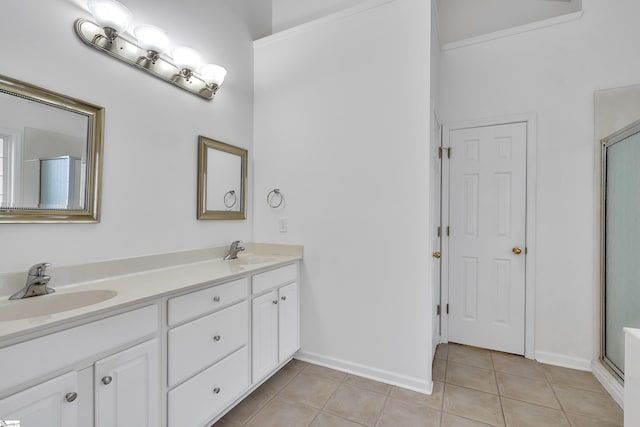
216,390
216,299
275,301
106,380
283,298
216,338
70,397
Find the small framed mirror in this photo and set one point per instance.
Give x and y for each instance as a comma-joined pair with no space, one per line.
222,180
50,156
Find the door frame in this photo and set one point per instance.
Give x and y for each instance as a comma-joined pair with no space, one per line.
530,239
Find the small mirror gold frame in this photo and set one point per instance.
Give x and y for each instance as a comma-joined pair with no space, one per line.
24,203
222,180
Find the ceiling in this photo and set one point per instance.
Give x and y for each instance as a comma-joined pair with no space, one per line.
464,19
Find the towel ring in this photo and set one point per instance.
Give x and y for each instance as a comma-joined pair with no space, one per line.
230,195
271,195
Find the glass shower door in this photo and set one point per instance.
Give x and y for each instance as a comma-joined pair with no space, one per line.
621,238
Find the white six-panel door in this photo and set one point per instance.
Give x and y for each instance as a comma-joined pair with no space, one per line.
487,220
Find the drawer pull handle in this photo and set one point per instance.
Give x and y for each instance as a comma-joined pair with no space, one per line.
70,397
275,301
283,298
217,338
216,390
106,380
216,299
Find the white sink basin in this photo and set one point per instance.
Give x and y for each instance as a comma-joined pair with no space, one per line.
251,259
45,305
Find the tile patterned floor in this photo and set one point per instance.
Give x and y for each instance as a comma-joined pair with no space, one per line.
472,388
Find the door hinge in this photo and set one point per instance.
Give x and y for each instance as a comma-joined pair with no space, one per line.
439,231
441,149
448,231
447,308
438,309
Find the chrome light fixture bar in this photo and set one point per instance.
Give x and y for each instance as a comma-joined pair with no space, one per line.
145,51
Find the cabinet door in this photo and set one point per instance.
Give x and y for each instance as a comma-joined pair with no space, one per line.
53,404
288,321
127,389
265,335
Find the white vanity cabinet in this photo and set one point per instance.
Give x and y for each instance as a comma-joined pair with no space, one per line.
53,403
127,387
208,357
275,319
67,365
179,357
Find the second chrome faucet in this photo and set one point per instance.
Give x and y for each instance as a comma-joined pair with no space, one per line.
233,251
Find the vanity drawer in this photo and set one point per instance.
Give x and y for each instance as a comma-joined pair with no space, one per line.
198,344
203,396
199,303
271,279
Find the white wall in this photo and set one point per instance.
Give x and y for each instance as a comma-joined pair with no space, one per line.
436,174
342,124
289,13
150,147
554,72
462,19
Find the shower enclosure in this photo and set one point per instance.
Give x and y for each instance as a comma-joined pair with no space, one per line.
621,242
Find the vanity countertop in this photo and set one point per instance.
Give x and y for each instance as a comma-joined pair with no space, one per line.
140,287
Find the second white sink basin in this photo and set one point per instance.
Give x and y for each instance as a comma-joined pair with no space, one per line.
251,259
45,305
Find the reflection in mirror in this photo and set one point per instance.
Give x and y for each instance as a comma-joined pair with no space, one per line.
222,180
50,154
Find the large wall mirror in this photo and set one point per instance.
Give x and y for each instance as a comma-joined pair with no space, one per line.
50,155
222,180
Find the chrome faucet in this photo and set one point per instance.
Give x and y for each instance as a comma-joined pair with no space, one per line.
37,283
232,253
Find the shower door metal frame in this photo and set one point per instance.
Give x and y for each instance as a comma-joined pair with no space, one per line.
607,142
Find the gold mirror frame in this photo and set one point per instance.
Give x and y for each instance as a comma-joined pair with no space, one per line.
205,144
95,116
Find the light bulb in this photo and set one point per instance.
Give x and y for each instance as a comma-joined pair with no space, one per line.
151,38
186,58
213,74
110,14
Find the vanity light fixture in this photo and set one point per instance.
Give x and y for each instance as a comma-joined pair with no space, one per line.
146,49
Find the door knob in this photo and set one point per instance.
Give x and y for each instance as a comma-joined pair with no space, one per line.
70,397
437,255
517,250
106,380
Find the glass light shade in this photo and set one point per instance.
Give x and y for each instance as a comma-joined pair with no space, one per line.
151,38
186,58
212,73
110,14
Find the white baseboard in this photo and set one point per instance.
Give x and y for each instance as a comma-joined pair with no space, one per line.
609,382
563,360
387,377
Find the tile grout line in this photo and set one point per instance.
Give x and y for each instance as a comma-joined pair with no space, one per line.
329,398
495,376
273,396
